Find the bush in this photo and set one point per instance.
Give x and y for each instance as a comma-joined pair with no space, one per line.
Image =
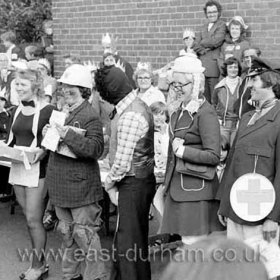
25,18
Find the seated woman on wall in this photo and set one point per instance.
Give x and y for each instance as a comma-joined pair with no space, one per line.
235,41
256,150
225,96
28,120
190,205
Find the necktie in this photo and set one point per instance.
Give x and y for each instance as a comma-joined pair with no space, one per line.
28,103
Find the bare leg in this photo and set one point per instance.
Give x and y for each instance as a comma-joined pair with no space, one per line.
32,202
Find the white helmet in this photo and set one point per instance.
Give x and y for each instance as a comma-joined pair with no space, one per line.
77,75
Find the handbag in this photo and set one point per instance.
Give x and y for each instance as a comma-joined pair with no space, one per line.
196,170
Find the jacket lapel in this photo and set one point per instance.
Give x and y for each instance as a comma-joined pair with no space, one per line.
269,116
174,119
74,113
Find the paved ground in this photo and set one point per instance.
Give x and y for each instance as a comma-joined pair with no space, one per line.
14,240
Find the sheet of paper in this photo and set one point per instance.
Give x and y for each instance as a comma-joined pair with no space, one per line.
51,139
57,118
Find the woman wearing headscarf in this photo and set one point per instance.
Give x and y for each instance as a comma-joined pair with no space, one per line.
194,152
235,40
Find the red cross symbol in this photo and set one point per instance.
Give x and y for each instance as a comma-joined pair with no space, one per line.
254,196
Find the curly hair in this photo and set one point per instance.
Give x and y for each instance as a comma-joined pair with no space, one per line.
85,92
213,3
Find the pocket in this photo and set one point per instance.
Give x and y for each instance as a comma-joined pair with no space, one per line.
259,151
191,184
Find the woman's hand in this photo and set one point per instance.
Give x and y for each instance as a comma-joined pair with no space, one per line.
223,220
40,154
113,194
62,130
269,230
177,142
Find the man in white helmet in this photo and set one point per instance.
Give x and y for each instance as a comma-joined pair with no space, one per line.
74,184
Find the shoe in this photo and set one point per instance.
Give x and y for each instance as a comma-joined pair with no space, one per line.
35,273
49,221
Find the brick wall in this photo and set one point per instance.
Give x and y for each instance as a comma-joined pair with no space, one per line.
151,30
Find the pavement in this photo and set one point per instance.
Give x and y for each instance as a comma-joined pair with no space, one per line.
14,240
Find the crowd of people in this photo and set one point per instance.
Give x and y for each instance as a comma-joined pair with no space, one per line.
177,139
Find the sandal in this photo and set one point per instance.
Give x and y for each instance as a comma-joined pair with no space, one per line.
35,273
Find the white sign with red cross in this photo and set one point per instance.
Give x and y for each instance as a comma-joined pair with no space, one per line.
252,197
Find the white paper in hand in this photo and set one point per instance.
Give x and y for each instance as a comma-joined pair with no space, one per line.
51,139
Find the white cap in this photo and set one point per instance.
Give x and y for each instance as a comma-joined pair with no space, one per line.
240,20
77,75
188,64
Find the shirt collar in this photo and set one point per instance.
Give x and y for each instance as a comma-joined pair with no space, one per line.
125,102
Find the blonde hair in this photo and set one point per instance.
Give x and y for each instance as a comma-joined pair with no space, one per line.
35,77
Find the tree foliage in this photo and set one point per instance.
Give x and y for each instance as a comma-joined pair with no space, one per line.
25,18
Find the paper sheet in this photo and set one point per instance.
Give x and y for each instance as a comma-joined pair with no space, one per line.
51,139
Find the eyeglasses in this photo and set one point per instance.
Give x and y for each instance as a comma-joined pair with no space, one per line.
212,13
178,86
143,78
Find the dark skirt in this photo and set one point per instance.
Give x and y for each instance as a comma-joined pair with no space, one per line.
190,218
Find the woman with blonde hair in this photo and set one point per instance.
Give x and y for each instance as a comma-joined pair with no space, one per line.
28,120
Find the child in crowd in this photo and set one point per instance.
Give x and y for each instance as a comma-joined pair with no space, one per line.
225,146
188,38
161,140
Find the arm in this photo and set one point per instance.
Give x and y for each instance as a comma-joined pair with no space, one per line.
131,128
209,130
215,39
89,146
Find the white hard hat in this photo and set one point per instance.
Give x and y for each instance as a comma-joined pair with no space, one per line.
77,75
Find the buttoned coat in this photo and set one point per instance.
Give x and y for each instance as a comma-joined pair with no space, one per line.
208,44
75,182
260,142
201,134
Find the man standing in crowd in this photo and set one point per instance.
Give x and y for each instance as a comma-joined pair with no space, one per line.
130,182
208,43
